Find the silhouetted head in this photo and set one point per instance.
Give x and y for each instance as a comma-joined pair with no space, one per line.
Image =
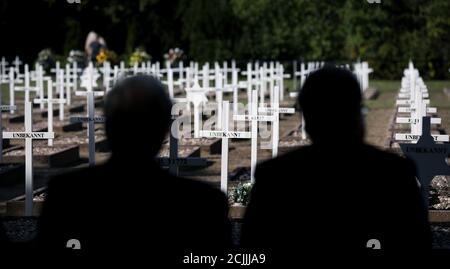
331,103
137,112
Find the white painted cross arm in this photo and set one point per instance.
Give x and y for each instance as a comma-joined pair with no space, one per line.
412,109
252,117
283,110
409,102
408,95
84,93
225,134
414,137
191,161
415,120
96,119
24,135
53,101
7,107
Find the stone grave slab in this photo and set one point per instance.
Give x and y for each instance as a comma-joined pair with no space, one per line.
45,156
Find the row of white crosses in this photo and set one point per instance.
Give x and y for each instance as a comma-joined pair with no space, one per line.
89,82
253,116
256,78
413,99
15,65
305,71
28,135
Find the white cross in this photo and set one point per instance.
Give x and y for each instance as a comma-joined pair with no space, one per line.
219,94
91,119
276,110
68,84
28,135
3,66
17,64
197,96
26,88
50,101
169,81
3,108
40,83
56,69
254,118
11,89
60,86
89,78
225,134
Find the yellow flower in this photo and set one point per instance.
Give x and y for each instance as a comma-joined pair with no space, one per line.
101,57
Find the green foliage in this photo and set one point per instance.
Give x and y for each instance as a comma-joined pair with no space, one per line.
387,35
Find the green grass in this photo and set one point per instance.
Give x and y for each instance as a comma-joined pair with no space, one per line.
389,89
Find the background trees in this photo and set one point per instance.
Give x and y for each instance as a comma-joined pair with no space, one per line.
387,34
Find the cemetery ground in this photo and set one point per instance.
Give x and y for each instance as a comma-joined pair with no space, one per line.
380,114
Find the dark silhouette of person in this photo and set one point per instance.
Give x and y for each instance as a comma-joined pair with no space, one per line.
129,205
338,193
4,242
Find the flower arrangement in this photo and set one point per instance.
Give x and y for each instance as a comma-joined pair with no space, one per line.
173,55
106,55
139,56
46,59
241,194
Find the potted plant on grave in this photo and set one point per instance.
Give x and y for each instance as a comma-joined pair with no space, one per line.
139,56
173,56
241,194
46,59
